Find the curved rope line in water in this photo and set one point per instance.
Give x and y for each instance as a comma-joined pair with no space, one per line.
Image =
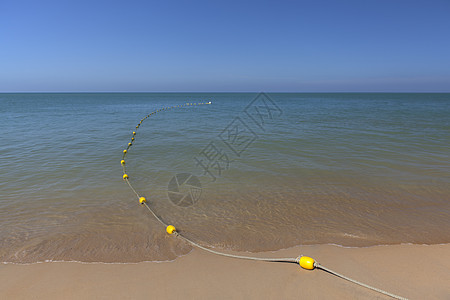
287,260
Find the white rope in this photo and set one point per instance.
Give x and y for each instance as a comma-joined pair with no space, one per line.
132,188
319,266
156,217
291,260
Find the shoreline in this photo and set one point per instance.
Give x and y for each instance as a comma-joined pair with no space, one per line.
411,271
244,253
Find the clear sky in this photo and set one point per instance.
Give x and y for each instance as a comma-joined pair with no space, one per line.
174,45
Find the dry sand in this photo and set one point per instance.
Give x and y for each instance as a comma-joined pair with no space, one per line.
412,271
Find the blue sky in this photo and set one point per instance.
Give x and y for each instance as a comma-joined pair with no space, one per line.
272,46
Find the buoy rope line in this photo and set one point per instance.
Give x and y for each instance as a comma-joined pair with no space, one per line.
304,261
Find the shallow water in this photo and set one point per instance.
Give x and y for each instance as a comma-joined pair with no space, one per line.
347,169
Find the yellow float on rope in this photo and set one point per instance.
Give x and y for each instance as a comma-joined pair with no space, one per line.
142,200
134,132
124,151
125,176
307,263
170,229
122,162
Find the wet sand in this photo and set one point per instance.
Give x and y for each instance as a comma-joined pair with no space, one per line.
412,271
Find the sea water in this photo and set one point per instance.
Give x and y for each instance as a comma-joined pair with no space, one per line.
266,171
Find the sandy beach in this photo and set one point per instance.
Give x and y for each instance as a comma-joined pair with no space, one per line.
411,271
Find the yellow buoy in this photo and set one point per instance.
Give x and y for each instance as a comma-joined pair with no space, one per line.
125,176
134,132
132,139
142,200
170,229
122,162
124,151
307,263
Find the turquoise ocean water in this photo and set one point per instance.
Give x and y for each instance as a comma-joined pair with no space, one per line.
284,170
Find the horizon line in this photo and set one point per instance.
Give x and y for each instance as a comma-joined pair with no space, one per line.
231,92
